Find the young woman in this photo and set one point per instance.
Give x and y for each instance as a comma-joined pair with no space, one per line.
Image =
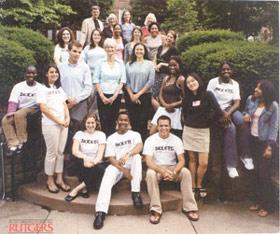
150,18
64,37
200,108
154,40
55,122
108,30
89,146
117,36
127,26
164,53
170,97
136,38
261,111
94,52
140,77
109,77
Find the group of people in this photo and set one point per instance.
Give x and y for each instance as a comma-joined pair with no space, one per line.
142,65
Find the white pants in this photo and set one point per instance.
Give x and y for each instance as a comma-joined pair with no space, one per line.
112,176
55,137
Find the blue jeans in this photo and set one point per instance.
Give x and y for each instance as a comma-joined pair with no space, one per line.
230,146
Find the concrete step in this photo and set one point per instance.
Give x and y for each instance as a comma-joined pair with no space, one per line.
121,203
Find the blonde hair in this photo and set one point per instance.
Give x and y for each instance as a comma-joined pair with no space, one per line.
112,15
110,42
150,15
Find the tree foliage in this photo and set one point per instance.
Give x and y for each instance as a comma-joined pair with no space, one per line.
34,14
141,8
181,15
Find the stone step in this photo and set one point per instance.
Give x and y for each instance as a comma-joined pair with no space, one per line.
121,203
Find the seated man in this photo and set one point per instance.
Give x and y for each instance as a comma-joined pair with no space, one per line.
123,148
161,151
22,102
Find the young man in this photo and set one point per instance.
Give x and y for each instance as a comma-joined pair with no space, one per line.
123,148
161,151
89,24
22,102
76,82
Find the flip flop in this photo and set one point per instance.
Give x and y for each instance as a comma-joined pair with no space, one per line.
154,217
52,191
64,187
192,215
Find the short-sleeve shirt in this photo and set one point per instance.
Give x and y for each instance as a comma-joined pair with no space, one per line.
119,144
24,95
225,93
54,99
163,151
89,142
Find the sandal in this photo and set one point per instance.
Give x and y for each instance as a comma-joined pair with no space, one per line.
154,217
263,213
84,194
254,207
56,190
64,187
202,192
192,215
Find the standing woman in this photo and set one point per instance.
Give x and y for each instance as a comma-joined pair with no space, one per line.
93,53
117,36
164,53
127,26
261,111
140,78
150,18
89,146
199,109
137,36
61,52
109,78
170,97
108,30
55,122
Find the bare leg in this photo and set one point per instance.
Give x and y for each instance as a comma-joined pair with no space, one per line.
77,189
51,183
60,181
192,166
202,167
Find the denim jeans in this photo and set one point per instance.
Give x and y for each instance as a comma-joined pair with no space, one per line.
230,145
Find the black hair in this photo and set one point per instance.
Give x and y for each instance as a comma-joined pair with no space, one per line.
164,117
153,23
123,113
268,92
57,83
133,56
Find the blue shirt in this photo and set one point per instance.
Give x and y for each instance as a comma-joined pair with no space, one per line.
109,77
75,80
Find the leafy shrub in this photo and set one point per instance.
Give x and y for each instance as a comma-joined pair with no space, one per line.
190,39
251,61
13,60
34,41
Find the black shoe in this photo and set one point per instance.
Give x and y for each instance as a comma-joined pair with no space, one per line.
84,194
71,198
137,201
99,220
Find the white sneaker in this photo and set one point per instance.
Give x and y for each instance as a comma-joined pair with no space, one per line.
232,172
13,148
248,163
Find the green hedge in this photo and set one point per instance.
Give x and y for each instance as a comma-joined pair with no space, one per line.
193,38
34,41
252,61
13,60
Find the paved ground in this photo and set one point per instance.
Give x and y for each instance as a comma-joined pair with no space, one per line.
232,217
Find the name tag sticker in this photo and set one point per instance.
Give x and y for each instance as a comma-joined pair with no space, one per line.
196,103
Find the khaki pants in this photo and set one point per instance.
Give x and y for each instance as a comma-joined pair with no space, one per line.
185,179
55,137
14,127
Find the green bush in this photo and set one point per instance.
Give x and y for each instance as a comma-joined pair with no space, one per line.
34,41
251,61
193,38
13,60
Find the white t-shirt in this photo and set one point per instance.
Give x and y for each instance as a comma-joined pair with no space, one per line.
119,144
89,142
225,93
54,99
24,94
163,151
61,54
255,121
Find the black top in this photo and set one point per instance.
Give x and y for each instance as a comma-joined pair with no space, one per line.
171,93
107,32
164,58
200,111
